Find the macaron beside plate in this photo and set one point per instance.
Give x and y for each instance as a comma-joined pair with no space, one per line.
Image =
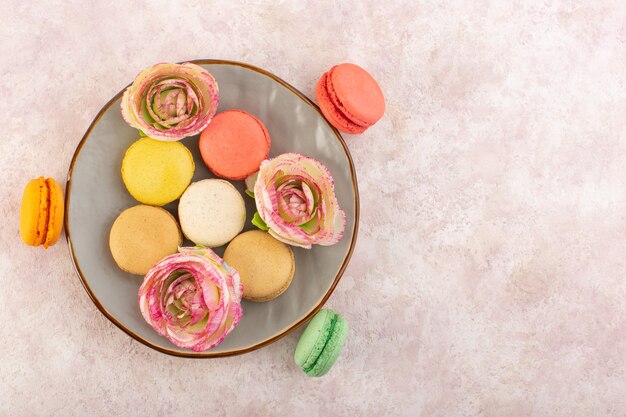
41,213
321,343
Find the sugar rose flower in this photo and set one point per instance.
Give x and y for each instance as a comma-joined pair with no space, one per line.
171,101
193,298
296,202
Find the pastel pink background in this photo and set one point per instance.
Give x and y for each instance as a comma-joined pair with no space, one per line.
489,274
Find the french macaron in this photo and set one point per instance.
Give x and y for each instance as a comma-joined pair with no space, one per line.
321,343
265,265
157,172
234,144
350,98
211,212
141,236
41,214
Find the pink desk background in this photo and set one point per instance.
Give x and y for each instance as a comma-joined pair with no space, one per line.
489,277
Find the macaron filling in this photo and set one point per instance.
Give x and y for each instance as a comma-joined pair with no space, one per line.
44,213
49,228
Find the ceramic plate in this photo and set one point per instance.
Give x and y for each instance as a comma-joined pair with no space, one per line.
95,195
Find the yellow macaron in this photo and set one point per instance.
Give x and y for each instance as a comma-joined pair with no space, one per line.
41,214
265,265
157,172
141,236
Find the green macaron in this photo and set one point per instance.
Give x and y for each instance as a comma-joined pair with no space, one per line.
321,343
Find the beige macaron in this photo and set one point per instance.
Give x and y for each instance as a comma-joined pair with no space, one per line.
265,265
211,212
141,236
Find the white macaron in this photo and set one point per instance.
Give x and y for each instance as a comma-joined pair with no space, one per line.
211,212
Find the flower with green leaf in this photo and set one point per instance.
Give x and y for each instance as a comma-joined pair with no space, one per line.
296,202
171,101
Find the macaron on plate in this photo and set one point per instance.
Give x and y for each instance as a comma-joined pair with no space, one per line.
130,200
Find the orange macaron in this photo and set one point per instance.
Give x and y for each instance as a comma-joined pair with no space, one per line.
234,144
350,98
41,214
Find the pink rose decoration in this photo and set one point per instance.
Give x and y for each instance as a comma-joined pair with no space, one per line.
193,298
296,202
171,101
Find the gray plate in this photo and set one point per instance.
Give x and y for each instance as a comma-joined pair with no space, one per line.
95,195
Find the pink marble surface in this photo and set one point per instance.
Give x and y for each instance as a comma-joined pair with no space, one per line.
489,275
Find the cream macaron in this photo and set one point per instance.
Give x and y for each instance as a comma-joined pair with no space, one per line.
211,212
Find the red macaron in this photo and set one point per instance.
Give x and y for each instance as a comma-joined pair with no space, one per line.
234,144
350,98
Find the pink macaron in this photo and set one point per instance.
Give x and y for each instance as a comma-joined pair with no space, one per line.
350,98
234,144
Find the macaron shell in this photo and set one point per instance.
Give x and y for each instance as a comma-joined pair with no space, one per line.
266,266
234,144
332,349
55,216
331,113
211,212
34,212
141,236
157,172
356,94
